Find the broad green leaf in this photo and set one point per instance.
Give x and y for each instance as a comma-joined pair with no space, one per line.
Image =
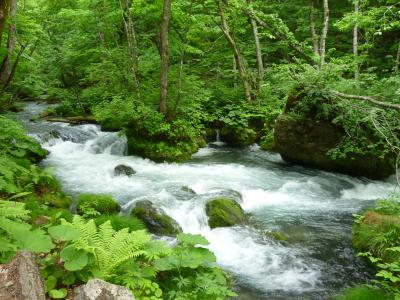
74,259
58,294
64,233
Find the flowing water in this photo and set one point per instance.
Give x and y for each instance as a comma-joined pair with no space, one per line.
311,207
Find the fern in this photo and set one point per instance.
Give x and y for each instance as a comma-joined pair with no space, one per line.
108,248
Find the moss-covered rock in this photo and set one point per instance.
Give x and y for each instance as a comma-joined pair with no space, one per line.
160,150
224,212
307,142
58,200
238,137
155,219
119,222
104,204
267,142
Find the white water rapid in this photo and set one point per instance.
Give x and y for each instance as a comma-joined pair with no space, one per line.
313,208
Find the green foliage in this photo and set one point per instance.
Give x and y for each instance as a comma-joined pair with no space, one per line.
16,234
208,282
92,205
119,222
363,292
377,235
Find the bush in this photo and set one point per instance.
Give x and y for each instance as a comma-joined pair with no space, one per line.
92,205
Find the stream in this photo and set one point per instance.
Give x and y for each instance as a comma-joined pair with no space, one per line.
312,208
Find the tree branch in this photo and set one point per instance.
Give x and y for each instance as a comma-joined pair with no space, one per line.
368,99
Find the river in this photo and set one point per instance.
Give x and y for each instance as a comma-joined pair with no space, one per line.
312,208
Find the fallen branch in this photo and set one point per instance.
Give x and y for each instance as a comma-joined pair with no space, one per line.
368,99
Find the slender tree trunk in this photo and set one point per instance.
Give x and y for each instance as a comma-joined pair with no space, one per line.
14,67
355,44
314,35
4,9
163,108
234,68
397,64
12,37
236,52
324,34
133,51
260,64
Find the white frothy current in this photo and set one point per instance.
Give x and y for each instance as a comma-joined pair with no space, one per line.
87,167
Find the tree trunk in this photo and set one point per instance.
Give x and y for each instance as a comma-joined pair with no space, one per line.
133,51
236,52
260,64
163,108
4,9
355,45
14,67
325,26
314,35
12,37
397,64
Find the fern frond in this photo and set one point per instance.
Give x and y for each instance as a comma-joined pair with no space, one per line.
13,210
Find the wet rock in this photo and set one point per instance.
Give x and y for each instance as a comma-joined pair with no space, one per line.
124,170
20,279
155,219
224,212
188,190
307,142
238,137
97,289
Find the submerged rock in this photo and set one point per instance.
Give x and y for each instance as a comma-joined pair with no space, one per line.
155,219
20,279
124,170
97,289
224,212
307,142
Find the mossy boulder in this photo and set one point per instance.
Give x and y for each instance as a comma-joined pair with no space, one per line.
155,219
238,137
119,222
58,200
104,204
224,212
307,142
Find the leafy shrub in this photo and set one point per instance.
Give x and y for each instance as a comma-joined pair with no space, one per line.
92,205
377,235
16,234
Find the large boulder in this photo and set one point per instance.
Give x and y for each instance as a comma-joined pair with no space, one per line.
224,212
307,142
97,289
124,170
20,279
155,219
238,137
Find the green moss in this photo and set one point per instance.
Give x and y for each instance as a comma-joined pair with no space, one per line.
104,204
276,235
237,136
155,219
363,292
224,212
119,222
267,142
58,200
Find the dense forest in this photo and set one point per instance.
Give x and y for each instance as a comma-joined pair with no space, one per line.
315,84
